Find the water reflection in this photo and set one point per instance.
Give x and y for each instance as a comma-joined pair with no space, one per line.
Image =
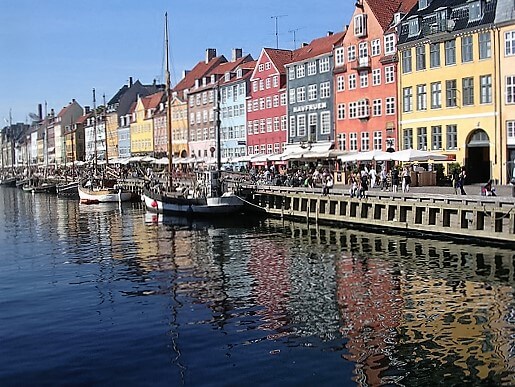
384,309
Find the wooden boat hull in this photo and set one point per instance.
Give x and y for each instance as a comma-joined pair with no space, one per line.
170,205
44,188
69,190
111,195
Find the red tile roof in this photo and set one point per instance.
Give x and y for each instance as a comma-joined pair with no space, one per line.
384,10
200,70
319,46
152,101
222,68
279,58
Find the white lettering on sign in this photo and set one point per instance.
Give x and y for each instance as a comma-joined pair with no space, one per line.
313,106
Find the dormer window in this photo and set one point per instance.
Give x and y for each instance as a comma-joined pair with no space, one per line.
213,78
413,28
227,76
197,83
360,25
204,81
475,11
239,73
423,4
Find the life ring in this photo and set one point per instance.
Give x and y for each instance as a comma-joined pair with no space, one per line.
154,204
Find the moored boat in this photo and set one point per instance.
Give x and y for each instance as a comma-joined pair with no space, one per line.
90,194
68,190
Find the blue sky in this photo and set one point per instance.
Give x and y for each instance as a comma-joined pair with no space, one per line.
56,50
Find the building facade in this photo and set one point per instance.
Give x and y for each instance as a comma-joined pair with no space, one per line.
447,84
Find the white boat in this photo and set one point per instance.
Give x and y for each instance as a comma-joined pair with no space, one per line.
202,200
89,194
206,197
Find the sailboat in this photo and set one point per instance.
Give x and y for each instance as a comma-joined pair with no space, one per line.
101,190
206,198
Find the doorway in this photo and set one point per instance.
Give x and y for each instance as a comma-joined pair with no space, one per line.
477,159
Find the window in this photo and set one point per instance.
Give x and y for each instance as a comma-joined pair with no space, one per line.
363,79
261,85
475,10
324,65
468,91
510,89
378,140
377,107
275,81
301,125
341,111
291,73
436,95
422,138
486,89
363,109
421,97
509,43
421,57
325,90
262,126
406,61
436,137
301,71
363,50
339,55
312,67
451,93
389,74
293,130
360,25
283,123
276,100
353,111
325,122
340,83
452,137
292,96
261,67
262,103
312,92
301,94
312,126
351,53
376,77
269,102
389,44
434,55
376,47
353,140
408,138
365,141
276,124
450,52
283,99
352,81
269,125
467,54
390,106
342,141
510,131
413,29
407,98
485,45
268,83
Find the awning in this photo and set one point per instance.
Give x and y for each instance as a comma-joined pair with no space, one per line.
307,151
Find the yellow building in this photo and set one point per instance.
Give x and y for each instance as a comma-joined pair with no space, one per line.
447,85
142,124
180,127
505,30
112,133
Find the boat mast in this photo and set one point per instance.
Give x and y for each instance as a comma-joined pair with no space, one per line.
168,106
94,132
218,124
105,131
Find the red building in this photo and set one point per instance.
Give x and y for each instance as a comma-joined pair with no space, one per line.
266,107
366,77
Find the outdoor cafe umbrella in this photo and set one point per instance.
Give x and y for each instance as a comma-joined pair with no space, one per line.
365,156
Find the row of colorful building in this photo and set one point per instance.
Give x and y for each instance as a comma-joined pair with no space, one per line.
429,74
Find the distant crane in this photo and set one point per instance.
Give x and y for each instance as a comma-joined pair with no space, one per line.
276,17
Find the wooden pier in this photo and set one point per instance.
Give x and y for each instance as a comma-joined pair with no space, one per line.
489,218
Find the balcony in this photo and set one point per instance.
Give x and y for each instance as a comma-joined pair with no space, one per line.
362,64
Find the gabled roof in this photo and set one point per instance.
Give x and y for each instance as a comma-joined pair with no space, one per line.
153,100
66,108
200,70
223,68
384,10
319,46
279,57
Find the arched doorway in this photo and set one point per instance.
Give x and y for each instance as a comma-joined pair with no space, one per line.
477,159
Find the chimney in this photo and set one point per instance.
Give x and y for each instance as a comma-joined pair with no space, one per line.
305,44
236,54
329,33
210,54
86,109
73,100
184,73
40,111
130,81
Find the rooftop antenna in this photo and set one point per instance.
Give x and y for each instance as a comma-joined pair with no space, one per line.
294,32
276,17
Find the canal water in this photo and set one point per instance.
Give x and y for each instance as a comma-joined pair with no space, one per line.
110,295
